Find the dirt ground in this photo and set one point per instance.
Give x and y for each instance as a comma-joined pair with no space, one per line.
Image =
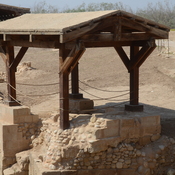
101,69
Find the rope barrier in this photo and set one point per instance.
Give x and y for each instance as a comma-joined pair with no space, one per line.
37,84
107,99
101,89
28,95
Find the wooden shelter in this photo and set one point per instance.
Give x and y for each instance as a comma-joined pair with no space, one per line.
72,33
8,12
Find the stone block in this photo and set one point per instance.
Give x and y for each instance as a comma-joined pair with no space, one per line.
149,120
12,140
145,140
13,114
127,122
79,105
112,130
152,130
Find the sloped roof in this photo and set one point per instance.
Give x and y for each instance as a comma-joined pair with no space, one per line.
7,11
64,22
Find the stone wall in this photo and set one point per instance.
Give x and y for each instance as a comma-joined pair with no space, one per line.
16,125
129,143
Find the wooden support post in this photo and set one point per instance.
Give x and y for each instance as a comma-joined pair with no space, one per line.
64,90
11,79
134,83
75,84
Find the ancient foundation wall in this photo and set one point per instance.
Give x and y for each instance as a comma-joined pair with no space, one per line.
17,126
104,143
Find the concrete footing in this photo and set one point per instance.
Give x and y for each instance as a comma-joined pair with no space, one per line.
80,105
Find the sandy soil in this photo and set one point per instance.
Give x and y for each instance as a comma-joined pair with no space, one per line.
101,68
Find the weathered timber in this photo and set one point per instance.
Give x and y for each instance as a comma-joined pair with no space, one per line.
117,30
64,89
134,83
141,27
18,58
108,37
72,59
134,77
123,57
11,79
93,27
75,84
141,56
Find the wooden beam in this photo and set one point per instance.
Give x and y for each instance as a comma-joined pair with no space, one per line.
75,84
36,43
162,34
72,59
134,78
123,56
64,89
117,30
11,79
113,44
91,28
144,52
146,55
109,37
18,58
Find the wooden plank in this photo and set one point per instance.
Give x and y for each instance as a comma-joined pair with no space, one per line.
146,55
108,37
134,78
93,27
113,44
117,31
143,20
144,28
36,43
123,56
64,90
76,59
18,58
11,79
72,58
141,56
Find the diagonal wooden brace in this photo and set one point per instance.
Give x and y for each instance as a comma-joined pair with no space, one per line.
142,55
73,58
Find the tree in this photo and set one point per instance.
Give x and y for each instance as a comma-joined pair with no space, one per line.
43,7
159,12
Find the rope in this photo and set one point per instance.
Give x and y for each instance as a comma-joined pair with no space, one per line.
16,100
101,89
107,99
38,84
28,95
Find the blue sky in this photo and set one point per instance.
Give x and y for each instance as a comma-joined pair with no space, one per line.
134,4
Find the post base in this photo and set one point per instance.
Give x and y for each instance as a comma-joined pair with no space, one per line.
134,108
80,105
76,96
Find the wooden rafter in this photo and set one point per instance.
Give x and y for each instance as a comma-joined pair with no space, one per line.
142,27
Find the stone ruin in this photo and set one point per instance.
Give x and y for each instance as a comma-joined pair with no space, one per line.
102,143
